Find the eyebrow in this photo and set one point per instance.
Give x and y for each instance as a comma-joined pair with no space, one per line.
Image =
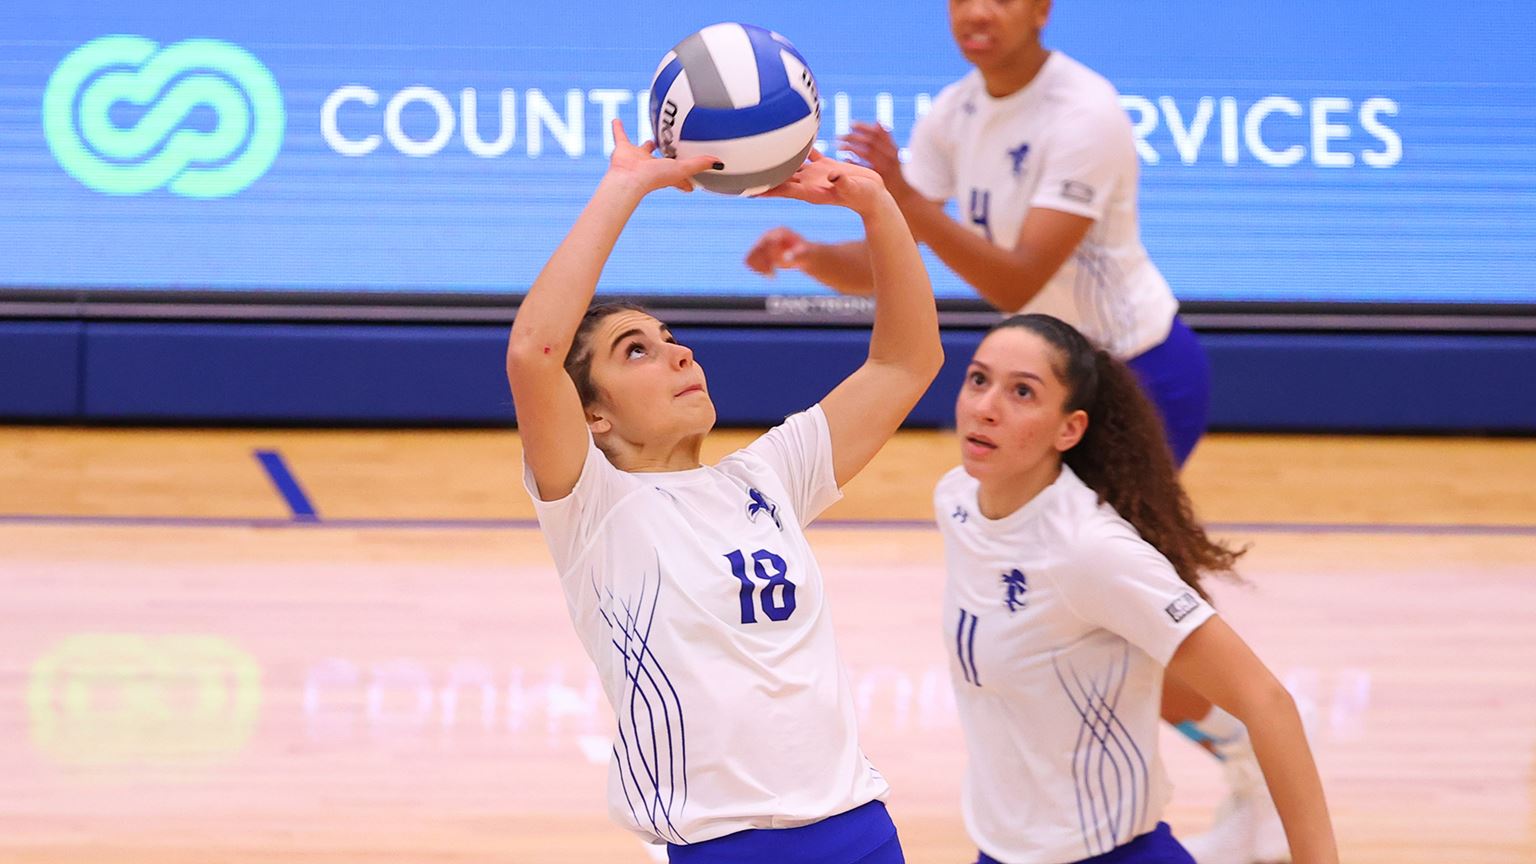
1019,374
634,331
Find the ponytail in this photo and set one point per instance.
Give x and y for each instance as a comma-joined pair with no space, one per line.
1123,455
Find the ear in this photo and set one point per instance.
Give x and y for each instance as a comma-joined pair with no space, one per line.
1042,13
1071,430
599,424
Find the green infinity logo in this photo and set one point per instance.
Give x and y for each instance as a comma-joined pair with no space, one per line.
124,698
166,84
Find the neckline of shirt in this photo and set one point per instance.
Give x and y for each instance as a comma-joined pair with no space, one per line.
672,478
1035,86
1026,512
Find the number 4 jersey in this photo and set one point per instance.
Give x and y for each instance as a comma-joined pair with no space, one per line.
697,597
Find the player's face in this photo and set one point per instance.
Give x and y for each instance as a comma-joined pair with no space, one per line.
992,33
649,388
1011,413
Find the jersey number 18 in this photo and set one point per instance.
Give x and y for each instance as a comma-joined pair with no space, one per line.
771,570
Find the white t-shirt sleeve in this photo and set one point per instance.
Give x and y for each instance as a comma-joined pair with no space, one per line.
570,523
1121,583
930,165
799,452
1085,160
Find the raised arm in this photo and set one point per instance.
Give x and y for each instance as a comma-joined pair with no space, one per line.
904,351
1219,665
550,418
843,267
1006,278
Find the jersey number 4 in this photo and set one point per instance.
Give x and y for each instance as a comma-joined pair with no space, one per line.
777,592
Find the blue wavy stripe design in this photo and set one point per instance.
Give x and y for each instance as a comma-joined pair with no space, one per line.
1109,771
652,751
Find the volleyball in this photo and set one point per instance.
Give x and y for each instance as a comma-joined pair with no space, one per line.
742,94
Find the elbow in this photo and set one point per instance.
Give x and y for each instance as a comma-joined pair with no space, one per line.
934,361
1014,286
922,367
525,355
1010,298
1267,701
919,364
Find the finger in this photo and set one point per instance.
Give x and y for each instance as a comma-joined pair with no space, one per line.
869,146
815,155
761,258
886,145
862,155
618,132
794,188
857,145
698,164
649,147
876,132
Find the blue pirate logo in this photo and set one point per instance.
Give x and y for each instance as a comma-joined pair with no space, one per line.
961,514
761,504
1017,154
1016,584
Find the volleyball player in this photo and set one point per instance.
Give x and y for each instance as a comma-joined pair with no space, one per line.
693,587
1073,580
1037,154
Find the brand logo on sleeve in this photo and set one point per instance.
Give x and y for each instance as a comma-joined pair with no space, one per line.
1181,606
1073,190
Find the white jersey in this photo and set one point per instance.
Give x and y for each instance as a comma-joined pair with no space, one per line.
697,597
1058,620
1063,143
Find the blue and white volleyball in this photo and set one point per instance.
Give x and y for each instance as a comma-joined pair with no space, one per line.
742,94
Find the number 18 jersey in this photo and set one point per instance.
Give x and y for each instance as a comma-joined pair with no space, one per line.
696,595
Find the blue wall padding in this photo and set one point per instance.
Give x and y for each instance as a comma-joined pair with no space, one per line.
40,370
425,374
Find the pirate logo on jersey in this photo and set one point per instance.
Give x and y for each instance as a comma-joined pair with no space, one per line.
1017,154
1015,584
760,503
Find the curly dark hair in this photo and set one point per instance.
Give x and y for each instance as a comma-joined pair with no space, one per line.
1123,455
578,361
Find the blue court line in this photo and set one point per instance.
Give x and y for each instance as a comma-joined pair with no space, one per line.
287,485
864,524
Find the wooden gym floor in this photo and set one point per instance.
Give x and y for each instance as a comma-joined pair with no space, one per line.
194,670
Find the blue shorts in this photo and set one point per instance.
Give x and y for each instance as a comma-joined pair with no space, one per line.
1154,847
1177,377
863,835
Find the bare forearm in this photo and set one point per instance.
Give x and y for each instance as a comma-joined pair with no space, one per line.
843,267
1280,744
906,328
549,315
1005,278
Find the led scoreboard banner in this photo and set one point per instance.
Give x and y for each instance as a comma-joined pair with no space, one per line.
376,153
